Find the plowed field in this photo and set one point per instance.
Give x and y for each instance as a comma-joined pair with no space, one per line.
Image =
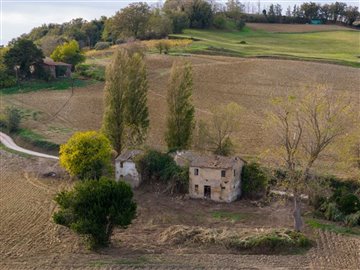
30,240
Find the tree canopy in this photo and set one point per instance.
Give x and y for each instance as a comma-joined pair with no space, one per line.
86,155
21,55
68,52
181,111
94,207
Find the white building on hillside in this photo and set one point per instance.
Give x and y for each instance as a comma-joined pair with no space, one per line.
125,168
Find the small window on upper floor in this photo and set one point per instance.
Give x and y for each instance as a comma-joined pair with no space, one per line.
223,173
234,172
121,164
196,171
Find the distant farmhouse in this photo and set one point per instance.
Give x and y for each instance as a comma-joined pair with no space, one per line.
212,177
125,168
57,69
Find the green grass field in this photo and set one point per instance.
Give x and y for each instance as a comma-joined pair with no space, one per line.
332,46
37,85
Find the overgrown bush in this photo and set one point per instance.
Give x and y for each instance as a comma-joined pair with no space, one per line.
271,242
155,166
353,220
219,21
91,71
348,203
102,46
240,24
251,241
163,46
13,119
94,207
254,180
3,121
6,80
332,212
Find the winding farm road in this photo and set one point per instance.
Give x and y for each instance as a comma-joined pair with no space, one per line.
9,143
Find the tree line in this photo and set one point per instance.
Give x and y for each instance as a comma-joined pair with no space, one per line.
141,21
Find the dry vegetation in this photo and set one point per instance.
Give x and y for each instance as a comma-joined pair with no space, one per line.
294,28
30,240
252,83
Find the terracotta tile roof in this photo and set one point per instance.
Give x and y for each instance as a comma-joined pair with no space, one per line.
49,62
129,155
215,162
194,159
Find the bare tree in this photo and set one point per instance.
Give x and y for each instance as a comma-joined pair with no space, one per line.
216,135
304,128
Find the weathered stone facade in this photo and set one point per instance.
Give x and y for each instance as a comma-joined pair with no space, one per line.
125,168
216,178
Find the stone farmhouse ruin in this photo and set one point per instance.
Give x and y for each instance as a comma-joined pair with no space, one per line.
212,177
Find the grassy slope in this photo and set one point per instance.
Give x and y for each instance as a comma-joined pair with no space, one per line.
337,46
37,85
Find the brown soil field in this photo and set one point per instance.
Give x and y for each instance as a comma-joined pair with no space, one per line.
30,240
294,28
252,83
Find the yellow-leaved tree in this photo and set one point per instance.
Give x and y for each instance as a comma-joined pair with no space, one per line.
86,155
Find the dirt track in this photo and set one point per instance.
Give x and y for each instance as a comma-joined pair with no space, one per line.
30,240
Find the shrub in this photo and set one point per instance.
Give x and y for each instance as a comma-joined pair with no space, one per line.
102,46
6,81
240,24
254,180
242,42
219,21
353,220
271,242
13,119
86,155
91,71
3,121
94,207
348,204
163,45
160,167
331,212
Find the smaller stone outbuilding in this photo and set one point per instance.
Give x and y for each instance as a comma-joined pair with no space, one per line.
125,168
57,69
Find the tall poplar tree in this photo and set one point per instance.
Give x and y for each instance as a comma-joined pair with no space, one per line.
181,111
115,88
126,117
137,114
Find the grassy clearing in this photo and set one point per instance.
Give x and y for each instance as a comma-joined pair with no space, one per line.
234,217
37,140
317,224
331,46
35,85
